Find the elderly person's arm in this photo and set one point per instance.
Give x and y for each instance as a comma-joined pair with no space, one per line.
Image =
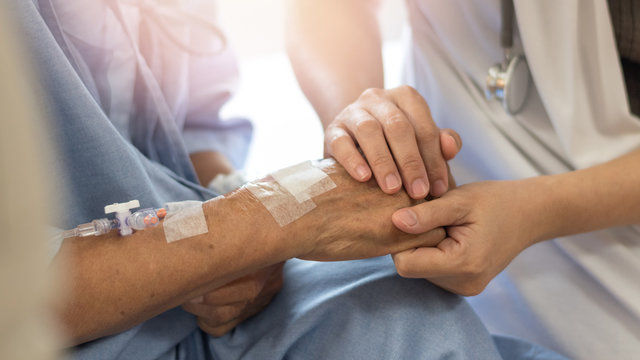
117,282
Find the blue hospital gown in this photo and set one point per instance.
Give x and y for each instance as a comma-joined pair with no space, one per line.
342,310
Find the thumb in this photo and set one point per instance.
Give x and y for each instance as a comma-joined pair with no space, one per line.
427,262
429,215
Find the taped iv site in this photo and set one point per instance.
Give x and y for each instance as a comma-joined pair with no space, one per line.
290,196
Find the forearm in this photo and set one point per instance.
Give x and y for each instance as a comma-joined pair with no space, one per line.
116,282
335,50
599,197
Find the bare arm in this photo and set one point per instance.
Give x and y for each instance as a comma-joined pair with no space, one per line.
489,223
116,282
335,50
599,197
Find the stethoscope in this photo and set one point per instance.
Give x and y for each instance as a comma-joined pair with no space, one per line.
508,81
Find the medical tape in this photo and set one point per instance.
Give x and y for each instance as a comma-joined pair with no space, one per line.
298,179
184,219
290,196
279,202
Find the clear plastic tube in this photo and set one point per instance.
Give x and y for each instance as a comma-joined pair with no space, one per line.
139,220
95,228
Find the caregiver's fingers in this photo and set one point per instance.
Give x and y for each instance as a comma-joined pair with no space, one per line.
340,145
427,134
369,133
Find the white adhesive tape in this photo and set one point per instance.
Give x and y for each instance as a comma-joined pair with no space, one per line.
290,196
280,203
184,219
297,179
179,205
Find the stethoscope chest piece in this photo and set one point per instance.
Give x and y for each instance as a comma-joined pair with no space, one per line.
509,84
508,81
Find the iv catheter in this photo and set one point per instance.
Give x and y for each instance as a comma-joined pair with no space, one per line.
125,221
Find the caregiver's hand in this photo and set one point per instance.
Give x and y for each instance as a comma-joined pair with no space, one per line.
487,224
399,140
221,310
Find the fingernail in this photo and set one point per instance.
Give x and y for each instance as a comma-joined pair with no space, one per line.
439,188
198,300
419,188
362,172
453,140
408,218
392,181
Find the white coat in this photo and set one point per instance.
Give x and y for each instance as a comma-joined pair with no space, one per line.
579,295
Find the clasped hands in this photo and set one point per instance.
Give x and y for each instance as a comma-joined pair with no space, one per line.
389,135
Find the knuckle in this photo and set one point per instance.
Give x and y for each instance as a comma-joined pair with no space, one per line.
352,159
348,112
396,123
411,164
381,160
371,93
417,97
408,90
337,137
335,142
343,116
367,125
427,131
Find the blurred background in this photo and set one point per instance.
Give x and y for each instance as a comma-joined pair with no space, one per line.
268,93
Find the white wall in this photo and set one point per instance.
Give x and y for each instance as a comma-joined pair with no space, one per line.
256,27
286,128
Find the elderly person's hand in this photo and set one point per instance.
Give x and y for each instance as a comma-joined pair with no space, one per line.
353,221
222,309
399,140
